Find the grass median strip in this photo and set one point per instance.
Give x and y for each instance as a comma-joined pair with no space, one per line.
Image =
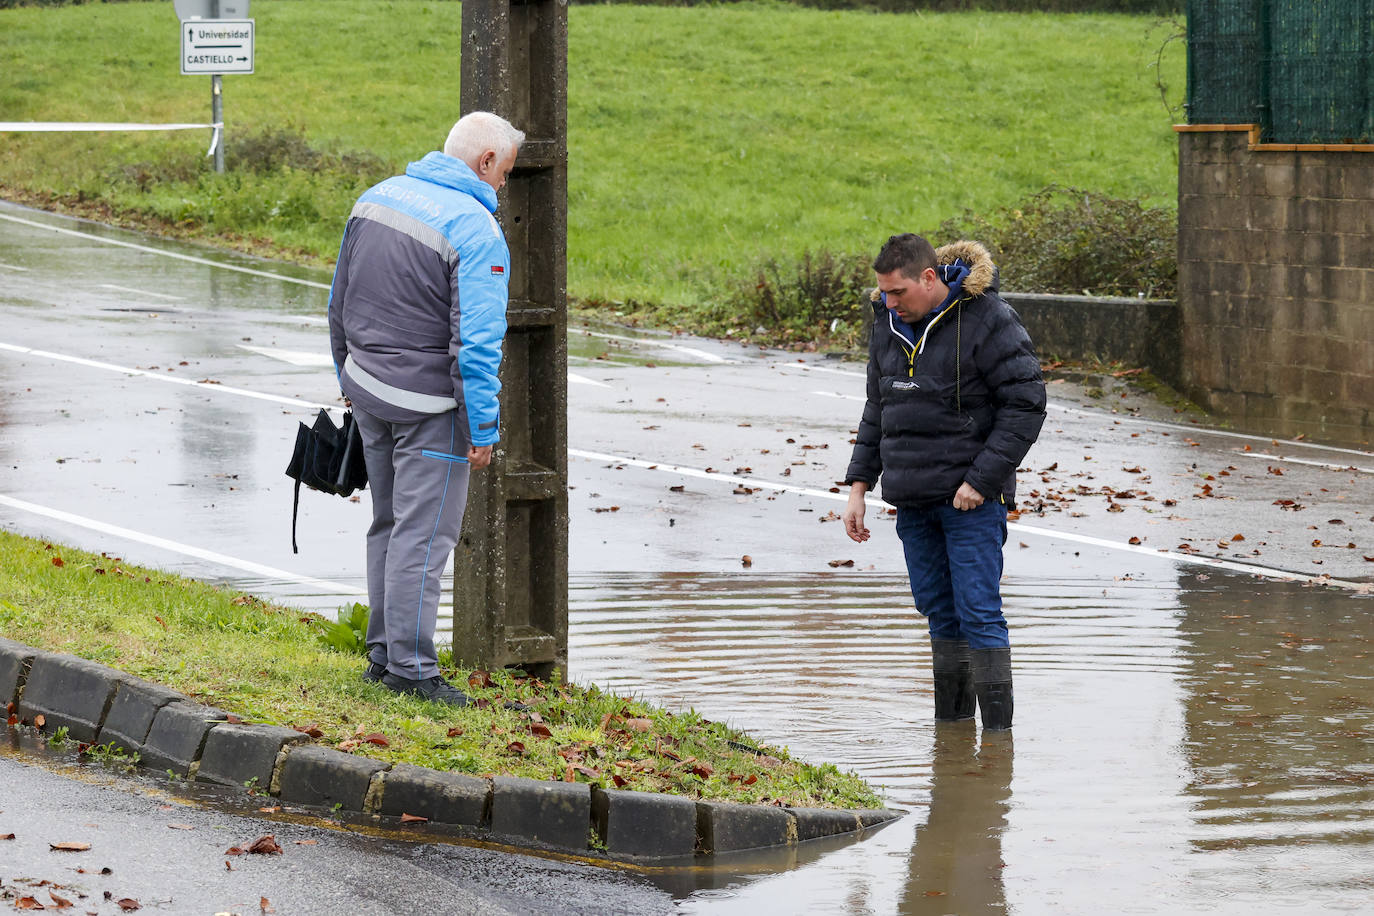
270,664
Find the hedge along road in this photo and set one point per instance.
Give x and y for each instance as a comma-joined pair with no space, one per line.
151,401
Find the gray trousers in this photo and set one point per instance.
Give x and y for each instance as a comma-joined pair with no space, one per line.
418,478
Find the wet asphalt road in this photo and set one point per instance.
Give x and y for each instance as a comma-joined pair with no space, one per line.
164,846
148,404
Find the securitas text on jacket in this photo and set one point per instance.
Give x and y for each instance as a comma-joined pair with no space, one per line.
417,311
956,397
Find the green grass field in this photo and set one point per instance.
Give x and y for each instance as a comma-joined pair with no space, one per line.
699,139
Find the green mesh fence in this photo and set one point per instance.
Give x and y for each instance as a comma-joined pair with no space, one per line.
1301,69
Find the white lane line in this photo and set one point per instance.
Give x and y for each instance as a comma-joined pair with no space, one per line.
799,367
1160,424
1207,431
1315,464
142,292
583,380
294,357
870,499
257,569
771,485
204,385
166,254
658,345
12,267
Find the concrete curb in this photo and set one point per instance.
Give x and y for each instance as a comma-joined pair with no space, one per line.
169,731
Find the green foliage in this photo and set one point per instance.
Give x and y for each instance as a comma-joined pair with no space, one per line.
701,142
822,295
1066,240
918,6
59,737
349,633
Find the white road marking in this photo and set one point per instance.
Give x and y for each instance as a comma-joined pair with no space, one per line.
583,380
756,483
294,357
872,500
1316,464
1160,424
142,292
166,254
318,585
801,367
658,345
145,373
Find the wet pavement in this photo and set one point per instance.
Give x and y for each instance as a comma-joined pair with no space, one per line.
1194,733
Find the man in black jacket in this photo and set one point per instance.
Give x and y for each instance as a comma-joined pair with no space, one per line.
955,400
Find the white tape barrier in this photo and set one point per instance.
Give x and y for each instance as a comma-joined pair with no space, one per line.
67,126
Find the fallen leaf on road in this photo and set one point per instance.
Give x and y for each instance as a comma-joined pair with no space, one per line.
838,563
128,904
413,819
265,846
40,720
746,560
70,847
265,905
60,902
28,903
10,836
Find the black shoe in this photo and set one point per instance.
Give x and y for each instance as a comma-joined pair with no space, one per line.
374,672
434,689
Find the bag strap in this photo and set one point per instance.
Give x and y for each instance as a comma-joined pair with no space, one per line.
295,505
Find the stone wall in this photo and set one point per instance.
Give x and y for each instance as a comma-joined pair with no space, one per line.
1135,332
1276,283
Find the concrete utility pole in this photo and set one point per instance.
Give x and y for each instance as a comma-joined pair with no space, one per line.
510,589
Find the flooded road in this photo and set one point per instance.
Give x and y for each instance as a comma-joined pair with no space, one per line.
1194,734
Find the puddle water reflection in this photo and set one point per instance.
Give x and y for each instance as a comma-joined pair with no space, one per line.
1184,741
1181,742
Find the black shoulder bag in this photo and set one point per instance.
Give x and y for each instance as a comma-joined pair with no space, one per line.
326,458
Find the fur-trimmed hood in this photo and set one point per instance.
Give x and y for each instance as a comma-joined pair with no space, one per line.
982,272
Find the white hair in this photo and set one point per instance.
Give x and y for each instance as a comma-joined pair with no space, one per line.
479,131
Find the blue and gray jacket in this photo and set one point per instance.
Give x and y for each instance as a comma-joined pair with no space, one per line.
417,310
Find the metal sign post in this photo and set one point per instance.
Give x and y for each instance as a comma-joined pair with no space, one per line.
216,38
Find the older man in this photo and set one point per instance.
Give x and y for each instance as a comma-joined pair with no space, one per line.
417,316
955,400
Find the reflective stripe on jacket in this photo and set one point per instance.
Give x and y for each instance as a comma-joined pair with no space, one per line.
417,310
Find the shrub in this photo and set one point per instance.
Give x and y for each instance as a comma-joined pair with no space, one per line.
822,295
1066,240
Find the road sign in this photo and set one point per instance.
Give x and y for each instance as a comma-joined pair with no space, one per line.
217,46
210,9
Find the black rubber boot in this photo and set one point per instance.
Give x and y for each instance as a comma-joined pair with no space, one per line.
992,682
954,699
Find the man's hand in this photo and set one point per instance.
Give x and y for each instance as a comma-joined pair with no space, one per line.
967,497
479,457
854,512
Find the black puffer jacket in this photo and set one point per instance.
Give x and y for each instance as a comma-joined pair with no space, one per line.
966,406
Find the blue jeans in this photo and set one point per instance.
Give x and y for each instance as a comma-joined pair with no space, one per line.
954,559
